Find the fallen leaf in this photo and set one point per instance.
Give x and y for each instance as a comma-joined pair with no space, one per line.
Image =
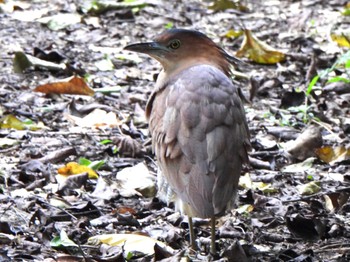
135,180
4,142
246,182
309,188
259,51
73,168
62,241
60,21
342,39
101,6
104,65
333,155
304,146
233,33
75,86
129,242
11,121
244,209
221,5
97,118
304,166
23,61
29,15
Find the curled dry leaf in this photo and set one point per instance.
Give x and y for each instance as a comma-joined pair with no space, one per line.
259,51
304,146
127,146
75,86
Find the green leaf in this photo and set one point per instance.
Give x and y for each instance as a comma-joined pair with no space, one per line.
115,150
347,64
310,177
95,165
62,241
106,141
338,79
84,162
346,12
312,84
169,25
21,62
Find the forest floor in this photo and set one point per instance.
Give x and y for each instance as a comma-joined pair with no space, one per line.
294,197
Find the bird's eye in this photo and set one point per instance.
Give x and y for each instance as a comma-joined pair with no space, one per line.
174,44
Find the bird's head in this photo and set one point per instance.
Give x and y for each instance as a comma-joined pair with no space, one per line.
178,49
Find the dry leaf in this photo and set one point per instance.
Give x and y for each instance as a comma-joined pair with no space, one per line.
11,121
221,5
304,146
341,39
97,118
258,51
129,242
233,33
75,86
73,168
332,155
136,180
309,188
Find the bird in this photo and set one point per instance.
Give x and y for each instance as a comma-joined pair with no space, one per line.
197,122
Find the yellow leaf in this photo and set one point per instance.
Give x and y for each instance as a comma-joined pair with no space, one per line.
258,51
266,188
245,209
342,39
11,121
233,33
73,168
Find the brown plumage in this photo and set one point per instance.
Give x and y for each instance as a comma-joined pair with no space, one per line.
197,122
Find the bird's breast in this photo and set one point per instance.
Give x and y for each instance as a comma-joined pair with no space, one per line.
198,130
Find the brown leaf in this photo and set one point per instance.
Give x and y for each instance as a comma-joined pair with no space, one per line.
332,155
221,5
304,146
75,86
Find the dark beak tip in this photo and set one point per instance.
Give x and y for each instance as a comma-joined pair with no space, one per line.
136,47
128,48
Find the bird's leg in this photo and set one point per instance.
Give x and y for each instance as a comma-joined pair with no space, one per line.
212,233
192,236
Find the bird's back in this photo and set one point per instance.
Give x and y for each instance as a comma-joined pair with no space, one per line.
199,135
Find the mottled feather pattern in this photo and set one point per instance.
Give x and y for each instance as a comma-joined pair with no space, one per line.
191,130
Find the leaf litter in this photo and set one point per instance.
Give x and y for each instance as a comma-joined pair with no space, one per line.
294,202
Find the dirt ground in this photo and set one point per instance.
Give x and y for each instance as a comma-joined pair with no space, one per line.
294,197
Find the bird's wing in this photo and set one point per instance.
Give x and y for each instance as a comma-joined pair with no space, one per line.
199,135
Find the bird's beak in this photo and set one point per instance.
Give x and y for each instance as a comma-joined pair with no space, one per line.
147,48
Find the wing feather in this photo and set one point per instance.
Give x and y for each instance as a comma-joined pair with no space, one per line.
200,138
